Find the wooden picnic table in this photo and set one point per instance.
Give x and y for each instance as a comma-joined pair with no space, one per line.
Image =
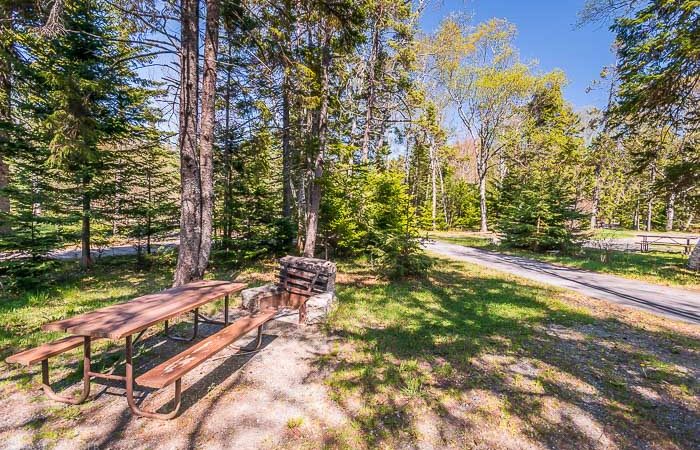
124,320
657,239
300,280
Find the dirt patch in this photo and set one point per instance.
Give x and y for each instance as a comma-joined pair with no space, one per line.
268,399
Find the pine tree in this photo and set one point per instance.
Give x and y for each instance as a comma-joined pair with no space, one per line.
84,95
538,208
144,202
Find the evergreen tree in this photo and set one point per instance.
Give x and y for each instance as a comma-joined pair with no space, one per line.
538,207
85,95
144,203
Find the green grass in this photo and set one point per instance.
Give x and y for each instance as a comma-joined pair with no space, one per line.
472,349
602,233
469,239
655,267
65,291
295,422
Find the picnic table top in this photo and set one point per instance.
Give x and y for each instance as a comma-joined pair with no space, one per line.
124,319
667,236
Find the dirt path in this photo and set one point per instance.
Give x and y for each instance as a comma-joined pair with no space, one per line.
666,301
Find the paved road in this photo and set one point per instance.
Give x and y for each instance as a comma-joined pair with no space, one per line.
74,252
676,303
120,250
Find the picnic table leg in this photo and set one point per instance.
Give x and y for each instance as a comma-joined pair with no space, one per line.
225,322
226,310
302,313
86,378
130,390
258,340
195,331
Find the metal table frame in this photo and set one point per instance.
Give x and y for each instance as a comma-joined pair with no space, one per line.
684,241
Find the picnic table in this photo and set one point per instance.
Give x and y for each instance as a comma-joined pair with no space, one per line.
301,279
132,318
653,239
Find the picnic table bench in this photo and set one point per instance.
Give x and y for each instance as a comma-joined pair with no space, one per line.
133,318
653,239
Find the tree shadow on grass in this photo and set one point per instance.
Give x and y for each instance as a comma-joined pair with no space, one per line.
528,367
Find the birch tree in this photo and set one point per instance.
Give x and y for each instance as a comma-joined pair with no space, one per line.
478,70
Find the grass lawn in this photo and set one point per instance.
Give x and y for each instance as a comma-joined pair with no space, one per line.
472,358
467,358
655,267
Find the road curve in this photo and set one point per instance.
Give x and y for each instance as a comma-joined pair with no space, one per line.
671,302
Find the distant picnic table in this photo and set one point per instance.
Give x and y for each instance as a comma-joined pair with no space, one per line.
655,239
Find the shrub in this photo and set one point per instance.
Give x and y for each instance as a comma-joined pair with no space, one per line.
371,215
401,256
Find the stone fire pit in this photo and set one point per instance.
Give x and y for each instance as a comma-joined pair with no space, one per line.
306,284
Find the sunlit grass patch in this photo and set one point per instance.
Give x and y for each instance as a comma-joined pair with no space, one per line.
470,347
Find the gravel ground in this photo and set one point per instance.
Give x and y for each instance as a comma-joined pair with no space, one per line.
253,401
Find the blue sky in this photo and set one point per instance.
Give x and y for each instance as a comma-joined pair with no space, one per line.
546,33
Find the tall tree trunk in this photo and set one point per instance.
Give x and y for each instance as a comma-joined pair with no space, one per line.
307,122
287,188
670,211
650,201
407,162
596,198
117,198
226,209
286,54
5,106
321,127
635,218
443,195
433,185
482,202
206,147
85,256
689,222
190,183
149,214
371,66
301,216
